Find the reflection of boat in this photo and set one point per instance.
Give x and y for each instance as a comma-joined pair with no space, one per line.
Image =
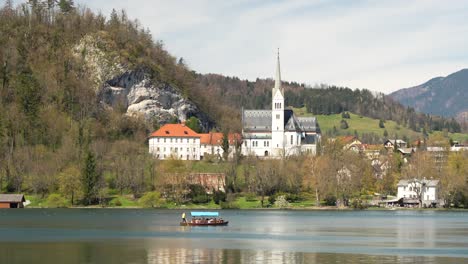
204,219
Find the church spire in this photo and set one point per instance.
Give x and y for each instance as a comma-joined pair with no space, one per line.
278,75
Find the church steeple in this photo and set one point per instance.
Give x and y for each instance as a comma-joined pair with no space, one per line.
278,76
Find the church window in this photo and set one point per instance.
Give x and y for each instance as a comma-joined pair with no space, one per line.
292,139
245,143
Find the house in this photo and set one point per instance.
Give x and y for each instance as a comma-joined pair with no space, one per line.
414,189
352,143
12,200
372,151
459,147
175,141
178,141
278,132
212,144
390,143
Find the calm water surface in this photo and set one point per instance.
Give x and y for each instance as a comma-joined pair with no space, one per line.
154,236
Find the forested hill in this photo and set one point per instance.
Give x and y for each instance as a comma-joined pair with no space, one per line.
321,100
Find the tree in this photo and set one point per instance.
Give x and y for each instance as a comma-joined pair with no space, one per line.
343,124
66,5
385,133
266,176
194,124
69,182
90,179
382,123
225,145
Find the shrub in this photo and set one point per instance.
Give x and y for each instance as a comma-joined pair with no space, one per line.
281,202
292,197
219,196
330,200
344,124
200,199
56,201
251,197
115,202
358,204
150,199
229,205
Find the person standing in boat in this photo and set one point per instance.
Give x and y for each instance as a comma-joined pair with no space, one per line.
183,218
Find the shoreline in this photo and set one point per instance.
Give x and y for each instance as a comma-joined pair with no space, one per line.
324,208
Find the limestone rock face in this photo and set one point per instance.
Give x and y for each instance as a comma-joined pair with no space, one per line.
136,92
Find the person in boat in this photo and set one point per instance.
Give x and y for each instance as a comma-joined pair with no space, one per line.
183,218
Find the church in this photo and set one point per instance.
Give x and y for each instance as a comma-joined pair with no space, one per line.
278,132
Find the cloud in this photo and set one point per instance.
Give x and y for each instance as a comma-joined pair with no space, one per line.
380,45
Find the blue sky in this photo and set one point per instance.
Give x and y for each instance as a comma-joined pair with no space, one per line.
380,45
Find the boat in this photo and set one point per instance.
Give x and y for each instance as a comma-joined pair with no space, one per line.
204,219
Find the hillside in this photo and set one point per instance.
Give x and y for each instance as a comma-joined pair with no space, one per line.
367,129
445,96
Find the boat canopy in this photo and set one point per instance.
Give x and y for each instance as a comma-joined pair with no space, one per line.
203,214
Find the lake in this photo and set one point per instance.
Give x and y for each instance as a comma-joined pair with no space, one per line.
261,236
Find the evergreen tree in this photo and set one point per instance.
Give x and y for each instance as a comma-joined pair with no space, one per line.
225,145
90,179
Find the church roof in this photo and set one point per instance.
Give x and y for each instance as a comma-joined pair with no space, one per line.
309,124
260,121
256,120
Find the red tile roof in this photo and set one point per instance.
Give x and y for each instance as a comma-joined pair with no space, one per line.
213,138
174,130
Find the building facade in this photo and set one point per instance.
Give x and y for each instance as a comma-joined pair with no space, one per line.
427,189
178,141
278,132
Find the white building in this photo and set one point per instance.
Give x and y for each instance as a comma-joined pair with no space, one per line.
411,189
278,132
177,141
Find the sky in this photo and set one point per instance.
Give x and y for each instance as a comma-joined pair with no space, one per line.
381,45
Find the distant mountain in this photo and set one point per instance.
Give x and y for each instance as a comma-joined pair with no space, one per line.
445,96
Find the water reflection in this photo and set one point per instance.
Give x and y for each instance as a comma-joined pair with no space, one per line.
153,236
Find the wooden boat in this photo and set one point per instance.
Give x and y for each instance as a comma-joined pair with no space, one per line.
204,219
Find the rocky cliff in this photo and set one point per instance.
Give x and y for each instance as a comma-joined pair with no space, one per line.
133,91
138,93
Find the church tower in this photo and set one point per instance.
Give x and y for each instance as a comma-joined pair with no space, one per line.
277,113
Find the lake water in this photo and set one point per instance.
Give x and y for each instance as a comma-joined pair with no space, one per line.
263,236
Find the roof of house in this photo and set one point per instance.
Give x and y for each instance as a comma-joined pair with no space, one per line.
260,120
174,130
406,150
429,183
12,198
214,138
398,141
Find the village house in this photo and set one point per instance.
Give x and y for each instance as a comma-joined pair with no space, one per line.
390,143
352,143
178,141
12,200
413,190
278,132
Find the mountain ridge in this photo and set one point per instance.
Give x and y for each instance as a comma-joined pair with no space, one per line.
444,96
